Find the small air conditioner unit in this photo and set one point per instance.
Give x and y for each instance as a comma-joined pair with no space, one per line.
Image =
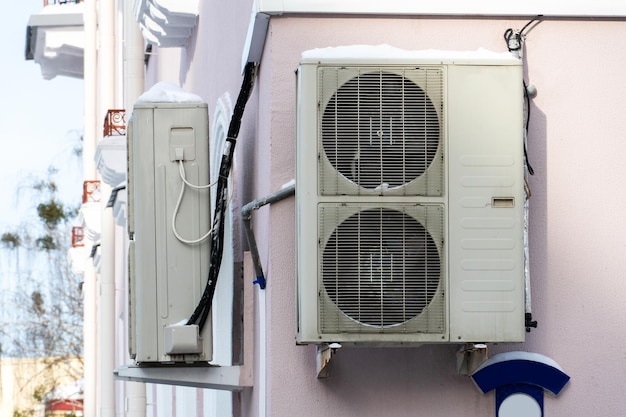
167,139
410,197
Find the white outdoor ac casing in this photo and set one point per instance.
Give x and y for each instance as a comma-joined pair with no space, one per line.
167,277
474,220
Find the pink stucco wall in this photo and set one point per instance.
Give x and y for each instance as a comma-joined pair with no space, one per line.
577,230
577,226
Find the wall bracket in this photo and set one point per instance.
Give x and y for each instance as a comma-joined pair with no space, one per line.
325,353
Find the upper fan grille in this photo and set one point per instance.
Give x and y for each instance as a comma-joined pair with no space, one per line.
380,129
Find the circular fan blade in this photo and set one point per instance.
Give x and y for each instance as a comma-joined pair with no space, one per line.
380,130
381,267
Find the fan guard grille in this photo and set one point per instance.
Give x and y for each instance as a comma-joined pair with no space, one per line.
379,129
381,268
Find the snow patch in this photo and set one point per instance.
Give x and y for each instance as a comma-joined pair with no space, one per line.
165,92
391,53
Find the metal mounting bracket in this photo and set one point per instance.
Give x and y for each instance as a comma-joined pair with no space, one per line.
325,353
470,357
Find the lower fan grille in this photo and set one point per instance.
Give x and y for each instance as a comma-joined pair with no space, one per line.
381,269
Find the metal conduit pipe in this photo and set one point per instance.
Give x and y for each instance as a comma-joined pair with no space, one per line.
287,190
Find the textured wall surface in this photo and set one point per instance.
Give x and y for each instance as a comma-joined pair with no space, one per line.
576,145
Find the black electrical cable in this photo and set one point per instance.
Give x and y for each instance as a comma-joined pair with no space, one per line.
201,312
510,34
530,169
534,19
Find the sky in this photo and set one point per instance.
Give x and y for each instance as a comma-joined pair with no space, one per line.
40,120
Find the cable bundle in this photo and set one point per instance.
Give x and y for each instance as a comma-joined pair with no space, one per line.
201,312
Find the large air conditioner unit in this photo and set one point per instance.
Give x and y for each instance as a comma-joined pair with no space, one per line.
410,197
166,142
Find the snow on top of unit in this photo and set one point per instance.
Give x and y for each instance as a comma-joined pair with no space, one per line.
388,52
165,92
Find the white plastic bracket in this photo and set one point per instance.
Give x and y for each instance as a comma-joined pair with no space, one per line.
183,340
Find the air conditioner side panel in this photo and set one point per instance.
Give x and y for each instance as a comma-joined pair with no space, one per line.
142,226
307,202
485,203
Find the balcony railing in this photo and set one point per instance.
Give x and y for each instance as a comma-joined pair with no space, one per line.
115,123
78,235
91,191
50,2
